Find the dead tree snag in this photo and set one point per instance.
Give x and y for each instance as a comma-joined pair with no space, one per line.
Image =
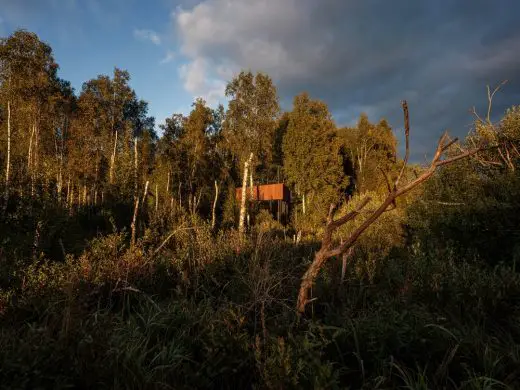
329,249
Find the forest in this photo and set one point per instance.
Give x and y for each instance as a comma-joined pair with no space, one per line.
128,261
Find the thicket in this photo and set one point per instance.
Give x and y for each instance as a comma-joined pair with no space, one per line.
98,293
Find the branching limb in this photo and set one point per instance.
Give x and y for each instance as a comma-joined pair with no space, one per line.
404,104
490,99
327,251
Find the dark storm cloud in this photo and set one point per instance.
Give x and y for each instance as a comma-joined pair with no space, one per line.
365,56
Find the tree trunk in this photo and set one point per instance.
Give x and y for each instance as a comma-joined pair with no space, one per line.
308,280
59,185
68,193
36,155
168,184
156,198
8,167
135,166
71,199
113,160
29,153
213,211
344,259
36,241
303,204
145,191
241,221
196,201
251,187
34,159
327,251
134,219
96,179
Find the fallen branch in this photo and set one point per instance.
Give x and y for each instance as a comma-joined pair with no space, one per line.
327,249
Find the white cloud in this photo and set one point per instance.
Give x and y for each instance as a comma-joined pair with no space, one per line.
221,37
254,34
147,35
169,57
354,55
196,80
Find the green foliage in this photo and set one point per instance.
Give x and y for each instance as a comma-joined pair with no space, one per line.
250,120
266,222
473,206
371,149
312,162
384,235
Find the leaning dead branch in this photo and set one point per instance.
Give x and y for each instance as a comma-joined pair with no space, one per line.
491,95
329,249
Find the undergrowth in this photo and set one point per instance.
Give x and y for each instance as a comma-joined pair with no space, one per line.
212,311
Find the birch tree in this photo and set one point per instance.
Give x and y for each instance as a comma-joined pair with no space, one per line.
249,126
371,147
28,87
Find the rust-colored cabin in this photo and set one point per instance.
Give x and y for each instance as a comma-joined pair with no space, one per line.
277,191
278,196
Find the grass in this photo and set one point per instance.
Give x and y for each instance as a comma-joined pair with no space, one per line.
202,314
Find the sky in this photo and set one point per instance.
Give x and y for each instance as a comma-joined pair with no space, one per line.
357,56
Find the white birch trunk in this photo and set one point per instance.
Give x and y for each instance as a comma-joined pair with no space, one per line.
213,211
29,153
303,203
145,192
134,220
251,188
113,160
242,219
59,185
135,165
36,161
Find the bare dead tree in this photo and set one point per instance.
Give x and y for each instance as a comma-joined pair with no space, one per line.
328,249
490,96
506,150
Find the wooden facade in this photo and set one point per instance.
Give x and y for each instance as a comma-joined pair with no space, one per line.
277,191
277,197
